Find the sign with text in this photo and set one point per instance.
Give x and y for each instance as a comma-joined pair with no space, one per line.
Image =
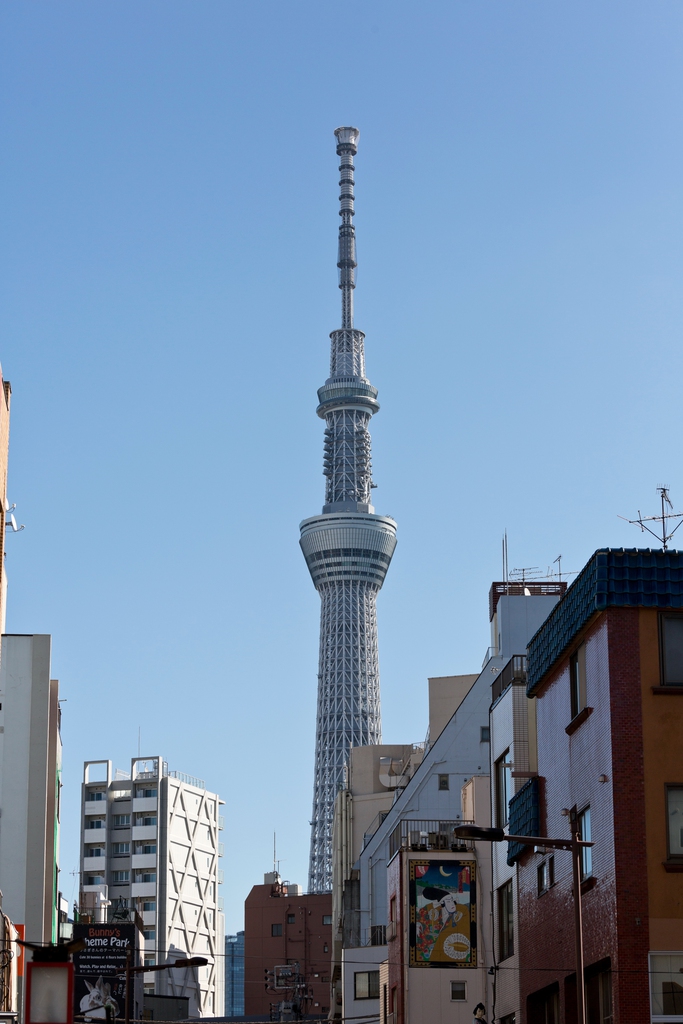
99,969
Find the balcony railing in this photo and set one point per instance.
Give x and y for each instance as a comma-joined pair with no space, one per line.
221,822
513,672
427,835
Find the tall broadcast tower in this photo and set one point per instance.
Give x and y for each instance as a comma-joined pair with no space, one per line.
347,549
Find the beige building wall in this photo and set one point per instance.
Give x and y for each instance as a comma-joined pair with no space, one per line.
4,457
446,694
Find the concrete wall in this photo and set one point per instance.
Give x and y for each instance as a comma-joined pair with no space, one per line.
355,959
30,752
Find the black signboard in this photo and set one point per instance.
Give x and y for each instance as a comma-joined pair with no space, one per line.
99,971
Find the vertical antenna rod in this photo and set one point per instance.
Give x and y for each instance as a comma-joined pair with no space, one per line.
347,147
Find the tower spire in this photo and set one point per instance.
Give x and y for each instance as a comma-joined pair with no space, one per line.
347,147
348,550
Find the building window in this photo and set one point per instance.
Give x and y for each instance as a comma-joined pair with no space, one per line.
586,851
120,849
671,641
121,820
95,823
666,986
148,848
366,985
95,795
503,788
149,905
150,960
509,1018
291,918
275,930
506,944
142,791
94,851
121,794
327,918
150,933
119,877
146,819
458,991
577,680
94,879
599,998
546,875
674,820
146,876
484,734
443,782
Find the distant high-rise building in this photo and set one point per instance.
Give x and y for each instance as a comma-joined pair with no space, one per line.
347,549
234,975
149,843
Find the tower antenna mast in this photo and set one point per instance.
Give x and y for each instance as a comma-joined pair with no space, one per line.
663,519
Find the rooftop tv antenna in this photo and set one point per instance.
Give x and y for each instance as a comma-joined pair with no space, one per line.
531,572
662,518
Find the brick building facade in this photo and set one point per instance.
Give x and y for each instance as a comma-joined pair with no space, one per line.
604,669
287,951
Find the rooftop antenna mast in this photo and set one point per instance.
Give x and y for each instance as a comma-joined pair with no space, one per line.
662,518
505,557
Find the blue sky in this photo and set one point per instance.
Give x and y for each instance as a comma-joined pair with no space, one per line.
169,218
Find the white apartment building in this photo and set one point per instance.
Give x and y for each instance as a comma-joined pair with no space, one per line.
149,843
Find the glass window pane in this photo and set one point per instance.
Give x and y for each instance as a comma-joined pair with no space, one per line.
674,797
666,983
361,984
672,630
586,851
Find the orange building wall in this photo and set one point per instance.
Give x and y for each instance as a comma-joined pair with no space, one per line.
663,760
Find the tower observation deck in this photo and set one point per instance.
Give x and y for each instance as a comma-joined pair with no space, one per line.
348,550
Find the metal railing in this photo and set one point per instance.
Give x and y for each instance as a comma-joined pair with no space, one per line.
490,653
514,671
412,834
189,780
221,822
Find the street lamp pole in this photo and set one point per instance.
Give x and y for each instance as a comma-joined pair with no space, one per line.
577,849
575,845
194,961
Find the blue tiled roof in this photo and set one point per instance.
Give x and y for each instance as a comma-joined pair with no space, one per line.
524,817
613,578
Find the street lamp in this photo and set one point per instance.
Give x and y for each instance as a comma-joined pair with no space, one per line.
193,961
50,982
575,845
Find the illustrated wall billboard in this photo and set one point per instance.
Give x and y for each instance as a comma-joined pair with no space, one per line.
443,913
99,988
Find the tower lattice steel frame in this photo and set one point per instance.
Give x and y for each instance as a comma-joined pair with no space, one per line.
348,550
